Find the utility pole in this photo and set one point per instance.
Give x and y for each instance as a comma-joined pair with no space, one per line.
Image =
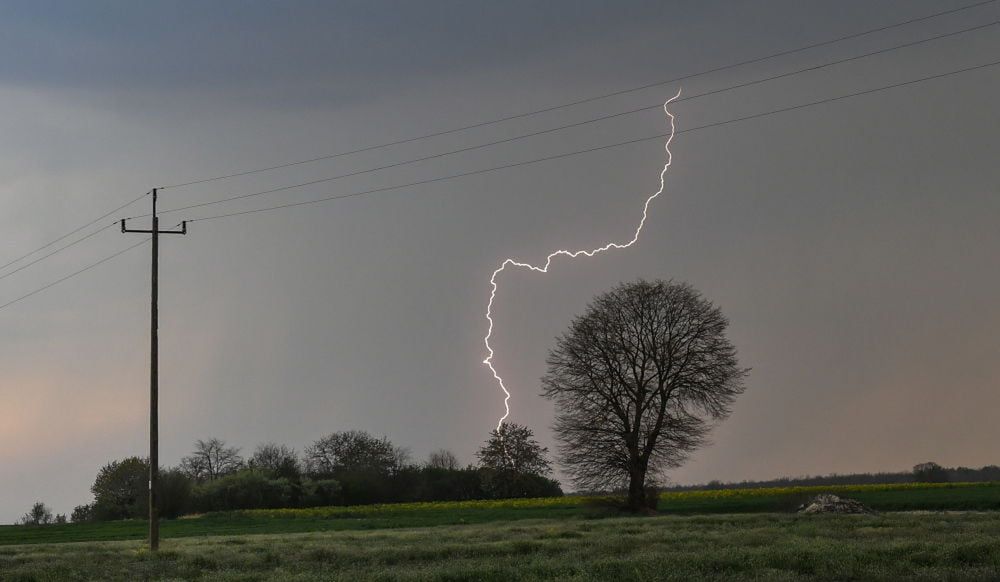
154,373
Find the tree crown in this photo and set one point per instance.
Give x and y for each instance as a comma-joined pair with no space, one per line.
211,459
638,381
514,448
354,450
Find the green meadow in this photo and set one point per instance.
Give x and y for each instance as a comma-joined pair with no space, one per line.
752,546
923,532
897,497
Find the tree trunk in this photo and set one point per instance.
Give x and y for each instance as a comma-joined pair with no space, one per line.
637,490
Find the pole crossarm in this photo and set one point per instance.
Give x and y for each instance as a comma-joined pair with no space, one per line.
183,229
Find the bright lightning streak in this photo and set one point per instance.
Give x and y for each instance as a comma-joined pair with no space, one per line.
571,254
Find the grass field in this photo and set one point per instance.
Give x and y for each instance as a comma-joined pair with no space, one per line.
903,497
949,533
759,546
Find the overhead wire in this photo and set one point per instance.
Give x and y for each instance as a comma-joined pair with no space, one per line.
521,115
588,99
74,231
745,84
78,272
603,147
522,163
526,162
55,252
74,274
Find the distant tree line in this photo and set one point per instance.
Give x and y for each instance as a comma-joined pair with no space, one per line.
342,468
922,473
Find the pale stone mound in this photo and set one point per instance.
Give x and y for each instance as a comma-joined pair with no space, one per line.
827,503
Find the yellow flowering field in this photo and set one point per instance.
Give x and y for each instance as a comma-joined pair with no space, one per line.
807,489
576,501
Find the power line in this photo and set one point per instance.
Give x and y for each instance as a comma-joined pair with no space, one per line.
74,231
80,272
588,99
579,123
470,148
524,136
604,147
527,162
55,252
70,276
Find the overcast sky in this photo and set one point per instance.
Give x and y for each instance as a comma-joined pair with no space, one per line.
853,245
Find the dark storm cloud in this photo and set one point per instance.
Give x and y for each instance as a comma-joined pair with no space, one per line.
287,55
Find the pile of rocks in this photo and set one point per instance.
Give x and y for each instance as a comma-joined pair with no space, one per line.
827,503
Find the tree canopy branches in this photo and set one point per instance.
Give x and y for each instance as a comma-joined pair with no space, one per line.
639,380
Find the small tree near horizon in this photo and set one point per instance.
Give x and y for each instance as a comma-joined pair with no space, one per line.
354,450
513,464
211,459
39,514
443,459
82,513
121,490
638,381
513,448
929,472
278,460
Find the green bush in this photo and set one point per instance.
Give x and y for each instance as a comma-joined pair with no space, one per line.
320,492
175,493
365,486
121,490
82,513
500,484
449,485
246,489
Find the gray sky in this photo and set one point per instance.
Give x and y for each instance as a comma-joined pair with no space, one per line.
853,245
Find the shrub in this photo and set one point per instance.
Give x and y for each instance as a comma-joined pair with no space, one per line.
121,490
450,485
175,493
511,484
38,515
321,492
364,486
82,513
246,489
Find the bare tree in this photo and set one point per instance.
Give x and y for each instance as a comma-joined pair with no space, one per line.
353,450
638,382
514,448
442,459
401,458
211,459
279,460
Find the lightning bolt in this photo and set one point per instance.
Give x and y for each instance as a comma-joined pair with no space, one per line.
571,254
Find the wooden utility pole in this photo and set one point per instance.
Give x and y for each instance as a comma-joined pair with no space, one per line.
154,373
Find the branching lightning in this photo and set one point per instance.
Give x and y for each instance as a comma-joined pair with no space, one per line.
571,254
